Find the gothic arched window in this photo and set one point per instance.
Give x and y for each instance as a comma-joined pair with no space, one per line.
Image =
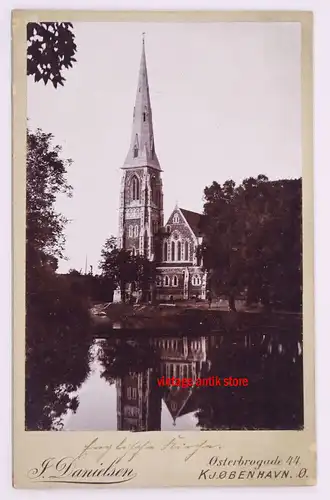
135,188
166,281
130,231
186,250
172,250
196,280
175,281
165,250
179,251
154,189
176,219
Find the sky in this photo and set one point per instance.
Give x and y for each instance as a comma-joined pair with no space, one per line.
226,103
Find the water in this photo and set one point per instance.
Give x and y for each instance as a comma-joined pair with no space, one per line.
111,384
98,404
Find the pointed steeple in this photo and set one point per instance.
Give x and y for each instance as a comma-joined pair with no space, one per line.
142,148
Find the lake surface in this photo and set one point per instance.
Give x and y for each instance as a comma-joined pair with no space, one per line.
111,384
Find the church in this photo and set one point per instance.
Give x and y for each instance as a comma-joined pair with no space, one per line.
173,245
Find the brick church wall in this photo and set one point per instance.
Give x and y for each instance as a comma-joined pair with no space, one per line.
164,291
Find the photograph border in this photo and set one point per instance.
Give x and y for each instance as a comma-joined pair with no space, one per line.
45,444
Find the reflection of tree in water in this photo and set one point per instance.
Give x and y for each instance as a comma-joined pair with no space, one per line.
57,353
120,357
272,363
274,396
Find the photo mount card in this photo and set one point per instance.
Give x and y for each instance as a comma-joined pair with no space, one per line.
163,249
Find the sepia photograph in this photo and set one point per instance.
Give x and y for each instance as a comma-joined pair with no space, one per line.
164,227
163,249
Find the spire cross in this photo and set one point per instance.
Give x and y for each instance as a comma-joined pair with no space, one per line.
143,35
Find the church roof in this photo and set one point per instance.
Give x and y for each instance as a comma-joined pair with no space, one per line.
180,401
194,220
176,400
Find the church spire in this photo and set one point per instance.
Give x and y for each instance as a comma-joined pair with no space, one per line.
142,148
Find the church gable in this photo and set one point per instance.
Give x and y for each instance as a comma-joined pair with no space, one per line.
181,237
181,218
180,401
179,225
176,217
176,399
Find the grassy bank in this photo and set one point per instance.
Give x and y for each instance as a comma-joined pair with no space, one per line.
186,317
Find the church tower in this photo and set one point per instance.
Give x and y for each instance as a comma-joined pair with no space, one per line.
141,194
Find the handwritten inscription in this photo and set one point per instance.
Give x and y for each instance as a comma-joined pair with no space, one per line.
101,462
67,470
107,469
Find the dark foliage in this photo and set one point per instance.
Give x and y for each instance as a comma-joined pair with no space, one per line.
121,357
253,241
57,348
273,398
122,268
97,288
57,321
51,49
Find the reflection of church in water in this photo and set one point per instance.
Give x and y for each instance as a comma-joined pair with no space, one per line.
139,398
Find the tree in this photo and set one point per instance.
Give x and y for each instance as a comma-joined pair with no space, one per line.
46,179
57,321
120,357
116,265
269,363
253,239
274,247
145,274
123,268
221,248
57,351
51,48
74,273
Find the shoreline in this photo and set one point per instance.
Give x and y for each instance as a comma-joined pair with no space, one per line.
126,319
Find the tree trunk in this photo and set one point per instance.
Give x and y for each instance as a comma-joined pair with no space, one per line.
265,299
123,292
250,296
231,302
153,296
